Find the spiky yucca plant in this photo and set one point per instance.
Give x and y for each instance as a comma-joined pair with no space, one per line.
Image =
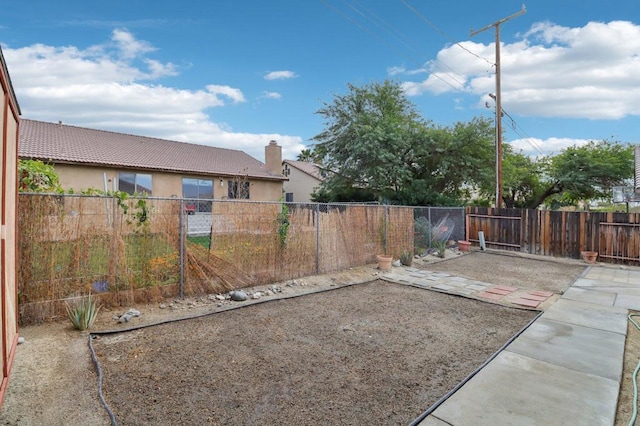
84,313
406,258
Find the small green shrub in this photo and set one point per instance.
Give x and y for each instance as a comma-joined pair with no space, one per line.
83,314
441,247
283,225
406,258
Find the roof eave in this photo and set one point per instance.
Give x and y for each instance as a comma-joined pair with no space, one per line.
162,169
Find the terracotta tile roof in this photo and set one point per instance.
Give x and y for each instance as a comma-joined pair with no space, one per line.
63,143
306,167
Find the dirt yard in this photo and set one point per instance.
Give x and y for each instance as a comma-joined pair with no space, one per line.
373,353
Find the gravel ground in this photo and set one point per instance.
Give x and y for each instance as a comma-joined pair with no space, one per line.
373,353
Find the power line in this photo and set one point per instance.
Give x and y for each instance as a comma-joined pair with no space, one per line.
518,130
435,27
377,36
447,71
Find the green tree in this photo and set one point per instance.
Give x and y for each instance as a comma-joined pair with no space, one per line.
376,147
36,176
367,140
521,178
307,155
588,172
450,163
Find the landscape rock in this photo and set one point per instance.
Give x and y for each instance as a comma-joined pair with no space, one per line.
21,340
238,295
127,316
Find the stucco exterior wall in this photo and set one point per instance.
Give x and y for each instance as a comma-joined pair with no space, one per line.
165,184
301,185
9,123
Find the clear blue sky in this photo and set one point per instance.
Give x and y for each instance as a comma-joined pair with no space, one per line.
239,73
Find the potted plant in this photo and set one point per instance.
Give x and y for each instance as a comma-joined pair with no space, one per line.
384,261
464,245
590,256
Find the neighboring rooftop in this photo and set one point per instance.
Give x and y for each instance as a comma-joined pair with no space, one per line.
306,167
62,143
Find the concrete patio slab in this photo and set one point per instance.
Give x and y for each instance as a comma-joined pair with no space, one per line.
627,301
589,315
509,391
590,295
578,348
596,283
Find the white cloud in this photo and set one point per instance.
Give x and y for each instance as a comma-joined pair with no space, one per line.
588,72
550,146
129,46
113,86
271,95
280,75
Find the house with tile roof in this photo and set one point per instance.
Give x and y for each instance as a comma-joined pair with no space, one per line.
304,179
88,158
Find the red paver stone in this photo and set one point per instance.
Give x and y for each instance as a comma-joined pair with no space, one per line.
541,293
525,302
506,288
501,292
492,296
534,297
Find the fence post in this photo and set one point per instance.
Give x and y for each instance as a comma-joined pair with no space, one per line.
114,244
430,226
317,238
182,247
386,229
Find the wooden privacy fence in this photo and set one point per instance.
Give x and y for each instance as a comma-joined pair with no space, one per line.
615,236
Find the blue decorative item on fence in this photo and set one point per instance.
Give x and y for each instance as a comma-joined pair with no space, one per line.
100,286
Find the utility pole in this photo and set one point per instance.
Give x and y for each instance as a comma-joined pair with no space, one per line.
498,99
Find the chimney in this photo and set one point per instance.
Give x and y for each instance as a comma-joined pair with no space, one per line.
273,158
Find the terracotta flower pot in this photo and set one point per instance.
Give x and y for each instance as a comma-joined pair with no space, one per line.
384,262
590,256
464,245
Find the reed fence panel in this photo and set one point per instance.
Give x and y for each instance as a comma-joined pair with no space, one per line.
144,250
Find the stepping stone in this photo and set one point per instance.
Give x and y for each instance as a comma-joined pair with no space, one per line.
491,296
506,288
443,287
476,287
541,293
534,297
528,303
499,291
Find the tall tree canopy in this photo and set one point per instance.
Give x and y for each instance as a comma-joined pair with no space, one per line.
578,173
375,146
367,137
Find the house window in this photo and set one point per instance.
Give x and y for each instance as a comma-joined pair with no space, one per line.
288,197
238,189
135,183
200,190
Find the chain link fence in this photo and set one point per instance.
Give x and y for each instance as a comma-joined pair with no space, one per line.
136,250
